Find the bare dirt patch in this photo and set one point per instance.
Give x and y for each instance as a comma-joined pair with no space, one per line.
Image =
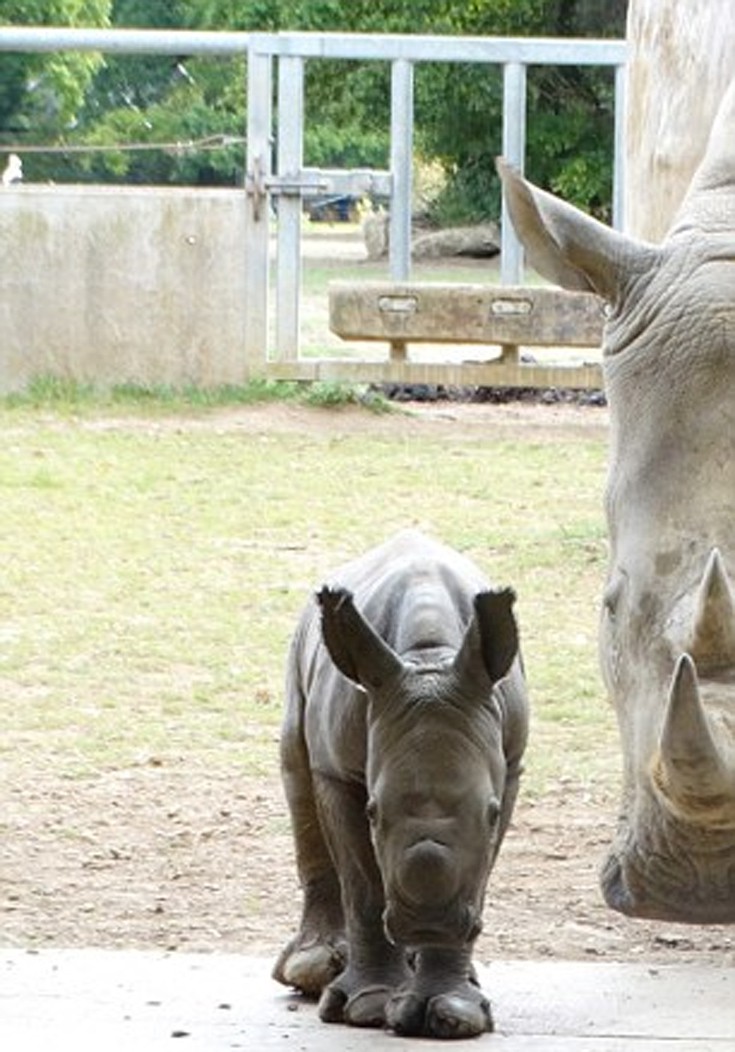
163,856
168,854
543,422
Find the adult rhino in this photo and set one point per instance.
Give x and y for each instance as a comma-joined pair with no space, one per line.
405,722
667,638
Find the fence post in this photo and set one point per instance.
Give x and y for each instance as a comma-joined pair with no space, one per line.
257,207
401,158
618,203
514,151
290,160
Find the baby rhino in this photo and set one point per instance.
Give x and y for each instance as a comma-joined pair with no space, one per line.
406,719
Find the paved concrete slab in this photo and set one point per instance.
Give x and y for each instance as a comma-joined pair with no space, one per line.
113,1001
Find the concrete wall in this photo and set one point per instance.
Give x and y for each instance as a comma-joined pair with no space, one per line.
118,284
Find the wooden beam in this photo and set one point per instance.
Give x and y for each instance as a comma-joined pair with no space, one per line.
448,374
418,312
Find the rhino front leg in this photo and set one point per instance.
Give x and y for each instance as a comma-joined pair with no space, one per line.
317,953
442,999
375,968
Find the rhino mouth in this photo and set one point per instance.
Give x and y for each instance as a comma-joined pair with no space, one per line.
658,887
450,926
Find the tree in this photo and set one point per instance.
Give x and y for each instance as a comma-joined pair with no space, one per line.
42,93
678,71
150,100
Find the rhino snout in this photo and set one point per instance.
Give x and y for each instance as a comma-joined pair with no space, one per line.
425,904
428,873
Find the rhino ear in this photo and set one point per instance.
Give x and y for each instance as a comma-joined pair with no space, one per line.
354,646
490,643
568,247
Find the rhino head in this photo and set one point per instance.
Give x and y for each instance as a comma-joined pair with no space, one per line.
667,637
440,776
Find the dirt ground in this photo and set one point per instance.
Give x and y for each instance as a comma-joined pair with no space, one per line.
164,857
168,856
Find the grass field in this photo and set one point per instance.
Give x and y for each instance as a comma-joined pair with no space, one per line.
156,557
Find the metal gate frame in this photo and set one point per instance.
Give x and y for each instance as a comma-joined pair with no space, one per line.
290,51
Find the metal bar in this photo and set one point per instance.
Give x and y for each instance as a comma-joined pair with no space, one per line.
123,41
618,204
401,161
257,213
354,181
290,156
514,151
499,50
386,47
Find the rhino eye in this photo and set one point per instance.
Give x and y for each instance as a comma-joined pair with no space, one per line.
493,813
612,595
371,810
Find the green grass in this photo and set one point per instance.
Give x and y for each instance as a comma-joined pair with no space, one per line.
153,572
72,397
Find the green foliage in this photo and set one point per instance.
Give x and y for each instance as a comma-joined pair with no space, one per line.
42,93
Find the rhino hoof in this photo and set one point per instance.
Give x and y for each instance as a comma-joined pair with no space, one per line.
332,1004
405,1014
458,1016
365,1008
309,968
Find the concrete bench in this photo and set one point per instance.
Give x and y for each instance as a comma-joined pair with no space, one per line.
508,317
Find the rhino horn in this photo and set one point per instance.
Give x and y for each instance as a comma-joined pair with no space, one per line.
353,644
490,643
715,175
713,637
693,773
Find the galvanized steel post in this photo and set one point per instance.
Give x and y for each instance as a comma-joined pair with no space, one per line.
401,160
514,151
257,212
618,203
290,159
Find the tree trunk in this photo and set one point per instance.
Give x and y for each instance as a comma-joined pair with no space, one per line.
682,57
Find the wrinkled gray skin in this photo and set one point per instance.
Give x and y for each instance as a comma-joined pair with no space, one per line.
667,639
405,723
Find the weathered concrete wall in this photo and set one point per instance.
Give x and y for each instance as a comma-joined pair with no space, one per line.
682,57
119,284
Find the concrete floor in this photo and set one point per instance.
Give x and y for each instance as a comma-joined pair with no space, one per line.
108,1001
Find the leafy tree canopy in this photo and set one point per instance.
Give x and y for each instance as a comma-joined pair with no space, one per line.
41,92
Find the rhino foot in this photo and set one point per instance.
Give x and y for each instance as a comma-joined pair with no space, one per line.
310,966
460,1013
